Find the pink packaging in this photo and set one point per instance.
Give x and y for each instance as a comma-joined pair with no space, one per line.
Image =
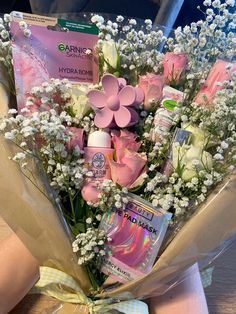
136,235
56,48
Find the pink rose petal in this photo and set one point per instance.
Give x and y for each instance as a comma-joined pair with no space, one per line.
120,173
139,96
134,161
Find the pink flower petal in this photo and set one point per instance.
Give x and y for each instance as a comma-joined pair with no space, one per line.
122,117
122,141
127,96
110,85
139,181
104,118
121,174
139,96
135,162
97,98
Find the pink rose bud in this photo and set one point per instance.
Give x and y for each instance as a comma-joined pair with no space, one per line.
175,65
152,86
77,138
221,71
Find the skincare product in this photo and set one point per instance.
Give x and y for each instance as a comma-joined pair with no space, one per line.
54,48
96,155
136,234
163,119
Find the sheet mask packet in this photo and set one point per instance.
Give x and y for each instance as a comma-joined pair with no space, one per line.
55,48
135,237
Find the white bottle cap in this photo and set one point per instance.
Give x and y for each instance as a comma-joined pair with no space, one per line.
99,139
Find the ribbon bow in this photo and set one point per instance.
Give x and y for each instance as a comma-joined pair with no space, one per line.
57,284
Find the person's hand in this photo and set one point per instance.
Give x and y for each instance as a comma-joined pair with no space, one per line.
19,270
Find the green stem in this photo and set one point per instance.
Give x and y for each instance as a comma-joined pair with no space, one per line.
91,277
72,206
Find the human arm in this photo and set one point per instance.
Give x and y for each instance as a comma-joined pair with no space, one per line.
19,270
187,297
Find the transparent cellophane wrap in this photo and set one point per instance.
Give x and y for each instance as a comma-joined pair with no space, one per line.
39,223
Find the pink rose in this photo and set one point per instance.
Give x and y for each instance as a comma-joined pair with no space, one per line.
152,86
220,72
130,165
123,141
77,138
175,65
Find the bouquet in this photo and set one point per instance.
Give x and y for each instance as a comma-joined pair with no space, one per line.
125,182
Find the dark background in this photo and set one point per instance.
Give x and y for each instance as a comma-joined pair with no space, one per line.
135,8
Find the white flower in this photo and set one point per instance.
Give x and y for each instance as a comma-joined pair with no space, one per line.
120,18
110,53
4,34
224,145
19,157
218,156
7,18
27,32
9,135
132,22
207,3
23,25
79,100
99,217
230,2
12,111
89,220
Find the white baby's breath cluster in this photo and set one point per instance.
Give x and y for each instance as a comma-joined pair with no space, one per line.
208,39
5,47
44,135
137,45
111,196
180,195
90,245
24,27
219,121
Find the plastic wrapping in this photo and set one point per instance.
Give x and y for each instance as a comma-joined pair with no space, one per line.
32,216
39,223
41,227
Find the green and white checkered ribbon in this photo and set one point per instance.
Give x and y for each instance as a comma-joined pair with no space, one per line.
206,276
63,287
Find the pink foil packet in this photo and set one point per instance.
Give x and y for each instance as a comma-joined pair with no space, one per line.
56,48
136,234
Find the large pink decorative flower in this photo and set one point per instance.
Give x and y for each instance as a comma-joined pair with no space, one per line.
116,103
221,71
130,165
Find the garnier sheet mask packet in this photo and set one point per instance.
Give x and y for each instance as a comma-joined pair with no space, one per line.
136,234
55,48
